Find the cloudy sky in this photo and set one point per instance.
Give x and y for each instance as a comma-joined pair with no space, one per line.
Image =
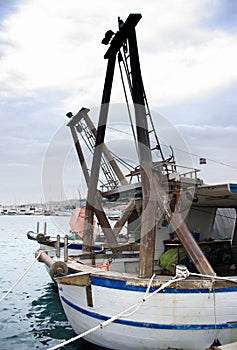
51,62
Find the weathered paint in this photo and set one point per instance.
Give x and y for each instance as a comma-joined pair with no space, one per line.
180,317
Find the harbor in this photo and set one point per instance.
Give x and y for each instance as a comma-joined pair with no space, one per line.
39,209
108,281
128,236
31,316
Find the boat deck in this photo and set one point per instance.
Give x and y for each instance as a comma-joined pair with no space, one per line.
232,346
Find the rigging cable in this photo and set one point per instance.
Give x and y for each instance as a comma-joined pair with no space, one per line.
124,58
180,150
120,58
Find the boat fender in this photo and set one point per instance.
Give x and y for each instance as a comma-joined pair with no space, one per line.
58,269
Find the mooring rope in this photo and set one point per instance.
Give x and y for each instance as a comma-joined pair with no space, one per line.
23,275
182,273
127,312
213,277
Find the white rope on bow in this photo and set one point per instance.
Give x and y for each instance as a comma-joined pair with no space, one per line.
125,313
23,275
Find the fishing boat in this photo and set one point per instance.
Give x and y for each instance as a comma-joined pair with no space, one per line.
52,244
64,255
72,242
181,293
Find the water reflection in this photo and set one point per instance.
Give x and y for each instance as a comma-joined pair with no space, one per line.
49,324
31,317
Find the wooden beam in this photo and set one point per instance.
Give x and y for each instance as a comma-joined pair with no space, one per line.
148,229
121,222
122,34
98,209
106,151
181,230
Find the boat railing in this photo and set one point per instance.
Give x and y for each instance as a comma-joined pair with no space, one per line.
181,171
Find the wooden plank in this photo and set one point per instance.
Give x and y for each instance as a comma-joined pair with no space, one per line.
77,279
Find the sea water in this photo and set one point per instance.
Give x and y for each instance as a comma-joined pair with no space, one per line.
31,316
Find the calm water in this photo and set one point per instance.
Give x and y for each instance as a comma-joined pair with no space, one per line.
31,316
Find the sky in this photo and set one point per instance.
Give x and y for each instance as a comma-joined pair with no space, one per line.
51,62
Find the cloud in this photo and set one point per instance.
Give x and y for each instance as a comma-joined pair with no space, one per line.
193,71
217,145
216,108
6,8
51,62
222,14
52,46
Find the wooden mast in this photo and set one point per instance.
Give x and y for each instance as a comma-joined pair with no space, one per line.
111,55
152,194
146,263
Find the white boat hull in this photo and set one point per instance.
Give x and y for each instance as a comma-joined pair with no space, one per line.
176,318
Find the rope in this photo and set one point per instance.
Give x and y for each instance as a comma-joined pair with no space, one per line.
186,152
140,302
181,274
127,312
21,277
213,277
214,309
126,97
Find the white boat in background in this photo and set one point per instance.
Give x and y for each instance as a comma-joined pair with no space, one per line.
50,244
30,211
181,292
21,210
55,245
63,212
12,211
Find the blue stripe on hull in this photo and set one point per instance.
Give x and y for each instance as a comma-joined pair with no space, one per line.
233,188
122,285
79,246
150,325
